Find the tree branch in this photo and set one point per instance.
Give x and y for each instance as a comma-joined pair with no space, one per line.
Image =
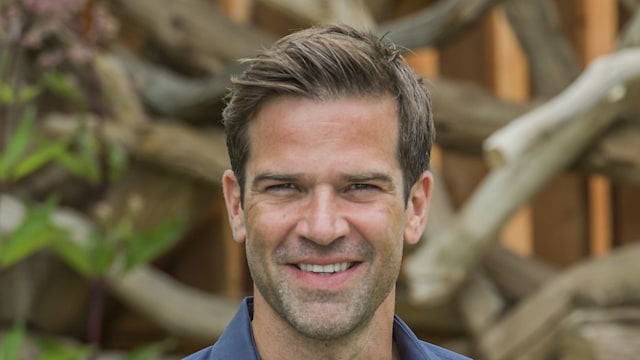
442,265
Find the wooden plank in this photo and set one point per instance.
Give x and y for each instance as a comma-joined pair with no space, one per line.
560,223
426,62
596,33
461,172
560,215
627,204
508,74
240,11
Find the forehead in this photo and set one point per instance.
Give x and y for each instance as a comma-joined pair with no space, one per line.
291,130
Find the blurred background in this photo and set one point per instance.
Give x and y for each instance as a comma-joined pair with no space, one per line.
114,242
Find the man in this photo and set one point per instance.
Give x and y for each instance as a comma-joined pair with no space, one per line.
329,134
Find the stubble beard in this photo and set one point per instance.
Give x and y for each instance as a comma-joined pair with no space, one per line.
320,315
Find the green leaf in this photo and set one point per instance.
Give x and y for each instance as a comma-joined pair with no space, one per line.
53,350
17,142
11,344
90,155
71,163
38,159
7,95
147,245
116,160
33,234
28,93
60,85
103,254
85,162
75,255
150,352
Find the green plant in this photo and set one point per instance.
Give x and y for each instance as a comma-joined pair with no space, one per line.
13,347
46,48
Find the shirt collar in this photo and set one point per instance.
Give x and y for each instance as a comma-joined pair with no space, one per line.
237,340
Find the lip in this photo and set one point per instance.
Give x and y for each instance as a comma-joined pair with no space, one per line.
319,281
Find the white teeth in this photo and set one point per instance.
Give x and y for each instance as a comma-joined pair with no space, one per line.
331,268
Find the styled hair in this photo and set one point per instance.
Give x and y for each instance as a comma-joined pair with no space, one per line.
327,62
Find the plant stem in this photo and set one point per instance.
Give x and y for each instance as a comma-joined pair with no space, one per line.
96,312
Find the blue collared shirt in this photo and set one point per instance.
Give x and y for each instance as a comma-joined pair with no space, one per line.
236,342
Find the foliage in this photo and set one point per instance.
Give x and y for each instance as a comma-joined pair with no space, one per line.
12,347
59,32
46,48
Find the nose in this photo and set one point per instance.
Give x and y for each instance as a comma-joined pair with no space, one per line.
322,221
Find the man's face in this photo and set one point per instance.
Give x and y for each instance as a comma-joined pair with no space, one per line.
324,216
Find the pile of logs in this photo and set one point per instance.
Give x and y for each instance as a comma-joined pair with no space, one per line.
459,280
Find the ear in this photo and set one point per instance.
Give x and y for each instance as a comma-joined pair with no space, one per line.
418,208
232,197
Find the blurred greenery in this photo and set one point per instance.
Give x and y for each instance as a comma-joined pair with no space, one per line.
13,346
45,65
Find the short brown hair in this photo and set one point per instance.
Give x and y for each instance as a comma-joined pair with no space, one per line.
326,62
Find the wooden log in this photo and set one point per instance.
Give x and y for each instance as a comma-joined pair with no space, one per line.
354,13
554,64
442,265
601,334
463,128
481,304
194,33
178,309
630,34
120,98
616,155
170,95
630,5
516,276
609,73
436,24
380,9
200,154
607,281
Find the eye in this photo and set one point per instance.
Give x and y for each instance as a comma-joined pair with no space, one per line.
276,188
361,187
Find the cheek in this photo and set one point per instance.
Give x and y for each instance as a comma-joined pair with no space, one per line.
385,223
269,224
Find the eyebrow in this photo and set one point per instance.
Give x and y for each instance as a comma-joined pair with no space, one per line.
350,178
366,177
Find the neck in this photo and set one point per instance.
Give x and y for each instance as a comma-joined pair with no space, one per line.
277,340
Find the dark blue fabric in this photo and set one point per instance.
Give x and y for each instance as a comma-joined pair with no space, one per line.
236,342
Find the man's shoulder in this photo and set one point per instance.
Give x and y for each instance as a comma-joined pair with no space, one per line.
411,347
440,352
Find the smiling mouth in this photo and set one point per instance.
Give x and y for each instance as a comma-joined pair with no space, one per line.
326,269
